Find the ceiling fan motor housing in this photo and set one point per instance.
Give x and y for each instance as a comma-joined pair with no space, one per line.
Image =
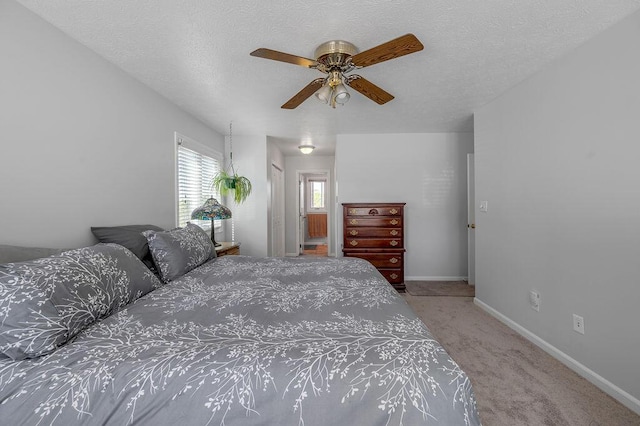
334,54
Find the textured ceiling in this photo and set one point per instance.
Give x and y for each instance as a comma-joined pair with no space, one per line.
196,53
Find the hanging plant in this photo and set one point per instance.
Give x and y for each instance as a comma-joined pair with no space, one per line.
228,181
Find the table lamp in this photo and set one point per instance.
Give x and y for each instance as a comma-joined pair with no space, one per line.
211,209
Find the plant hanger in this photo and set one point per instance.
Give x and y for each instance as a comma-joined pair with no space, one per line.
228,181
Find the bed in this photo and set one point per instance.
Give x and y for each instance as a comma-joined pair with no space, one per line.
235,340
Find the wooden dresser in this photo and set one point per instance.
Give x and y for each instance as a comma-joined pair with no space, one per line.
375,232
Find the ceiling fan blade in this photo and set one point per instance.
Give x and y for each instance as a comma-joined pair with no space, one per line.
395,48
369,89
284,57
302,95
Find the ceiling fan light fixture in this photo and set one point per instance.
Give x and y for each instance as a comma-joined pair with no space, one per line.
340,94
306,149
323,94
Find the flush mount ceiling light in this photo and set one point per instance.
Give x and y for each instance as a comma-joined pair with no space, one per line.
306,149
337,58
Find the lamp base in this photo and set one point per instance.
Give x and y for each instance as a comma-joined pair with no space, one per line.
213,240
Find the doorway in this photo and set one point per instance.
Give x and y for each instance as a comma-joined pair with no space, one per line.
314,194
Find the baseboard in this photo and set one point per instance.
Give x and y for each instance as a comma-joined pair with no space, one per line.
408,278
606,386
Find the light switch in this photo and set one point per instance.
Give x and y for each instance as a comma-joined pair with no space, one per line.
484,206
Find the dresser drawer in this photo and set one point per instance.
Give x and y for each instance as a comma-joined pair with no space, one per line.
394,276
387,222
373,243
374,232
374,211
380,260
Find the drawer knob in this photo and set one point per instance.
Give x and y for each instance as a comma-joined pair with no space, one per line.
353,243
353,221
394,232
352,211
393,260
353,232
394,276
394,221
394,243
393,211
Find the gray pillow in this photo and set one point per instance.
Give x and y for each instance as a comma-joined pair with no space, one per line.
129,236
180,250
45,302
18,253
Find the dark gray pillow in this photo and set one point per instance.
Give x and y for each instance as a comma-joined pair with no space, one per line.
45,302
180,250
129,236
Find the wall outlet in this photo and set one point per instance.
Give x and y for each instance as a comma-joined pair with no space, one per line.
578,324
534,300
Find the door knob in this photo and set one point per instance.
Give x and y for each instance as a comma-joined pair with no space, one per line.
472,226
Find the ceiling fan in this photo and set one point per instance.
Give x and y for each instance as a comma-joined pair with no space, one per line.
337,58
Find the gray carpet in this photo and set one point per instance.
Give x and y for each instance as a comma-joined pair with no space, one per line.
515,382
440,288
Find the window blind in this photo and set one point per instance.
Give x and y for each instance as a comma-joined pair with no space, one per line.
196,167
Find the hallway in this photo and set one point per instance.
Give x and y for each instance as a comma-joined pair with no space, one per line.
315,250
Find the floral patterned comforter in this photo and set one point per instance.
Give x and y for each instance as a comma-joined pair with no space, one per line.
244,341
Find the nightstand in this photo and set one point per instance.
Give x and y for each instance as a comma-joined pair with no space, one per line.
228,249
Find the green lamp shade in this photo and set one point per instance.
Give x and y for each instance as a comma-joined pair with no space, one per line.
211,209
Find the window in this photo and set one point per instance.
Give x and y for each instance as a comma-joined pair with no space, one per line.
197,164
317,194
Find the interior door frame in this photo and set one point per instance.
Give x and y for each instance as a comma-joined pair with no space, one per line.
300,174
300,203
280,207
471,220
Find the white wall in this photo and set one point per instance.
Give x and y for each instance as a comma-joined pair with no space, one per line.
251,217
83,143
307,163
557,161
429,173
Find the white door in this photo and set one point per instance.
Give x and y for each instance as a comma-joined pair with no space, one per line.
471,219
277,211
